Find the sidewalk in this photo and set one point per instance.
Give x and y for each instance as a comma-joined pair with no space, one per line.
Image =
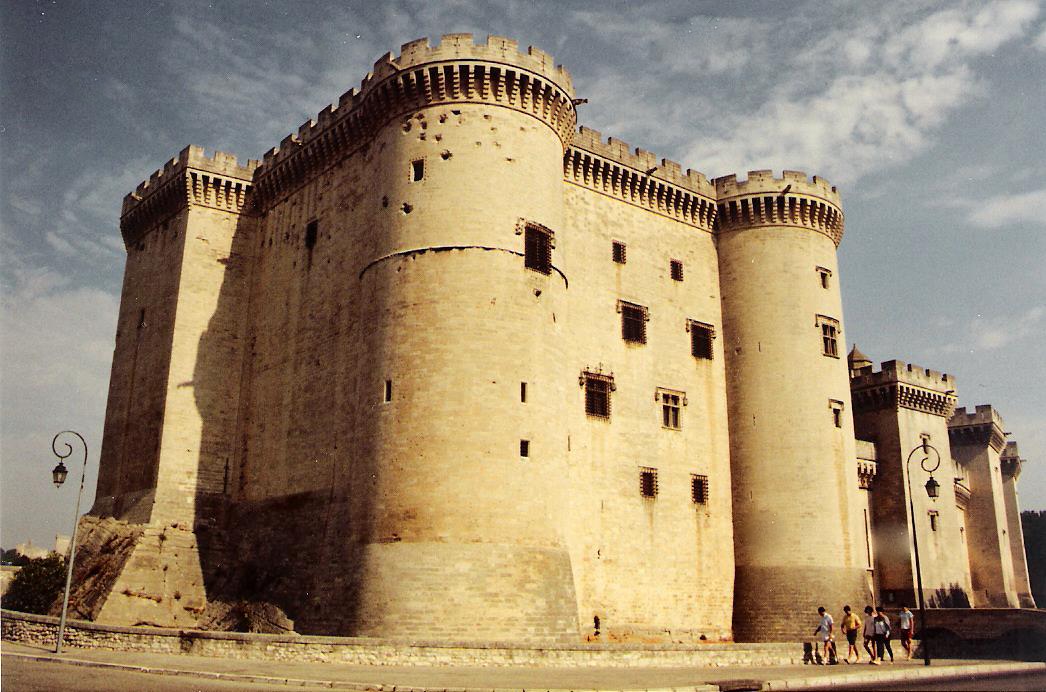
344,677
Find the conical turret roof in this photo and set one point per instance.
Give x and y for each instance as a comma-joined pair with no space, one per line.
857,359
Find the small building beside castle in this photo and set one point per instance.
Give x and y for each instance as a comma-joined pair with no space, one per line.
444,366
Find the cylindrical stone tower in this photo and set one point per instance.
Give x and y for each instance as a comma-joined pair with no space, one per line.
461,438
793,462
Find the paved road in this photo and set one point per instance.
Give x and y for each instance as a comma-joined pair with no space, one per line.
1016,683
20,675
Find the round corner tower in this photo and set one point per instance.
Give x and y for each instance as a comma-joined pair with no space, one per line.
462,452
795,487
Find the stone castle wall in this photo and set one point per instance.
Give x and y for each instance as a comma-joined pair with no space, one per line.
338,389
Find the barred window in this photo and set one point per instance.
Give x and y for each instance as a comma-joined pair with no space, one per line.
648,482
633,322
619,252
699,489
701,336
537,253
829,335
676,268
597,393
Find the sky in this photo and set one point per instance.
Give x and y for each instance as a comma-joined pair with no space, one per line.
928,116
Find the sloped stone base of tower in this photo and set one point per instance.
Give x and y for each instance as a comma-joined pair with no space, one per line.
130,574
475,592
779,604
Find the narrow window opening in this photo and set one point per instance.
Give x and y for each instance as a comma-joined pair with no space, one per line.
619,252
837,412
311,231
417,170
677,270
934,519
141,319
524,448
648,482
698,489
829,336
537,248
701,336
825,276
597,394
523,392
633,322
388,391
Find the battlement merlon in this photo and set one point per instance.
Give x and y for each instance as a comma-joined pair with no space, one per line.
983,425
218,180
895,371
794,199
1011,461
452,48
643,161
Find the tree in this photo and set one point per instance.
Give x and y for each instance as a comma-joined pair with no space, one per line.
36,586
1034,525
11,556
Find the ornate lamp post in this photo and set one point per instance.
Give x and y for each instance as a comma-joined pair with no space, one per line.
59,474
932,490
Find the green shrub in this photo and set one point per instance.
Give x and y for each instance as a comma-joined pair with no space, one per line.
36,586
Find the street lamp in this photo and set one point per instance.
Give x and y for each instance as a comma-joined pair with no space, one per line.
59,474
932,491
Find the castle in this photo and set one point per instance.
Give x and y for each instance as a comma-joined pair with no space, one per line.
444,366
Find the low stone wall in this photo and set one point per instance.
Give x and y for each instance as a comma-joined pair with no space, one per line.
42,630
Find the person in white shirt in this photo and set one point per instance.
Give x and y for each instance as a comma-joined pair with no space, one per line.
869,632
825,629
906,621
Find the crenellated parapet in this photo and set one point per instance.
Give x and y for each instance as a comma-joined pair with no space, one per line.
791,200
636,176
983,426
218,182
1011,461
455,71
903,385
867,464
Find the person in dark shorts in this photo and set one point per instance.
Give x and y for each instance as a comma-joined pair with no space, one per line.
851,627
906,623
869,632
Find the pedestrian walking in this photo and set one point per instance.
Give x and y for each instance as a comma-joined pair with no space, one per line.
824,630
906,622
851,628
882,636
869,633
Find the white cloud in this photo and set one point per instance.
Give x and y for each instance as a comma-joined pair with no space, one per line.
1040,40
993,333
1010,209
880,96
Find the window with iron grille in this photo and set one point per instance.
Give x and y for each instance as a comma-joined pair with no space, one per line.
676,268
701,336
698,489
619,252
597,393
417,170
829,335
537,254
633,322
647,482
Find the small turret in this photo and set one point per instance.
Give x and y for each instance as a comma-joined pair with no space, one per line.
857,360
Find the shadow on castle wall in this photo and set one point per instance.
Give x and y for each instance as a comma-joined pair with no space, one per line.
954,596
297,551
